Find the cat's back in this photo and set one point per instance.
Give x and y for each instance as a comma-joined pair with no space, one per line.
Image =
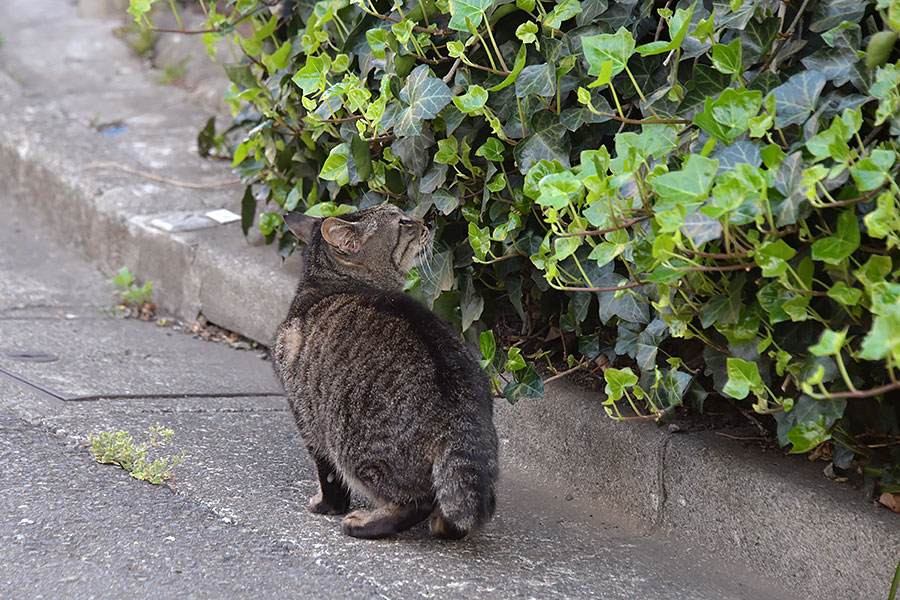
373,339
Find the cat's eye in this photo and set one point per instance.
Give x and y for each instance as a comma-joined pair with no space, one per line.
406,221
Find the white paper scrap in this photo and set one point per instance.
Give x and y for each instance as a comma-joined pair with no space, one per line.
223,216
164,225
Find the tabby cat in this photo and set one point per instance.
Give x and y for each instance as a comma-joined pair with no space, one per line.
389,401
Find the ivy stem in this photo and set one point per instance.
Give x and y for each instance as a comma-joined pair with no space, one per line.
175,13
623,225
577,367
581,269
687,300
424,13
483,68
844,375
500,259
618,104
699,335
639,92
859,393
726,231
612,288
631,402
729,256
435,32
496,49
486,51
521,115
890,368
240,19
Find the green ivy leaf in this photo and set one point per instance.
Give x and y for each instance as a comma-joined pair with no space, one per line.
832,142
248,210
873,171
527,33
471,304
884,221
842,293
378,41
729,115
335,166
613,49
526,384
727,58
565,247
830,343
617,380
557,189
743,377
514,361
562,12
279,59
874,271
517,68
480,240
312,77
424,96
884,336
488,347
796,99
724,310
772,257
836,248
269,222
536,79
605,252
361,158
472,101
810,422
139,8
688,187
628,305
492,149
445,201
678,28
467,15
548,142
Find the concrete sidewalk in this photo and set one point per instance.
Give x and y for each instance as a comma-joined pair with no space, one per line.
64,79
236,525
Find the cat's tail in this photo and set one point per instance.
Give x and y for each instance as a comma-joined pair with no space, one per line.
465,475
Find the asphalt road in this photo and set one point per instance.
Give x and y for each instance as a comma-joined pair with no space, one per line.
232,523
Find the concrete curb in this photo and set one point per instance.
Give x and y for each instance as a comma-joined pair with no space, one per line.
776,515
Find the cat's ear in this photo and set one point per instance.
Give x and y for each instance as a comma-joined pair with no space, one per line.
303,226
345,236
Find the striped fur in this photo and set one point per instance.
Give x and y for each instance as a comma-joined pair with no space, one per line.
384,392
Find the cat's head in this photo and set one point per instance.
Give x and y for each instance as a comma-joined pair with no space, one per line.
377,246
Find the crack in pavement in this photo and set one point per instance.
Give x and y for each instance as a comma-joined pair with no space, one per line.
56,396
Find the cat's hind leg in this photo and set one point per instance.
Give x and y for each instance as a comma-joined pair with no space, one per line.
333,497
386,520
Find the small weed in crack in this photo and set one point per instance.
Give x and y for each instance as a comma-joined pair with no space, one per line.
118,448
136,298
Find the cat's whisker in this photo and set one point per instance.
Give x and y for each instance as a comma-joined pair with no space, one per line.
430,275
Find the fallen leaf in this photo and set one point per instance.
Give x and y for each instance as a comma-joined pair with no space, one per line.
892,501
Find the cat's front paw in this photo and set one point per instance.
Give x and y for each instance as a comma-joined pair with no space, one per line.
320,506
